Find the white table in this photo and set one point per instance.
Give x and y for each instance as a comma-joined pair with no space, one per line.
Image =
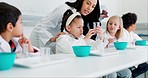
91,66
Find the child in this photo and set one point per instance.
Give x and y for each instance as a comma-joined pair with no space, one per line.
129,23
72,25
11,29
114,32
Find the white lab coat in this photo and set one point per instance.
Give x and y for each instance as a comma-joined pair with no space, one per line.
126,37
130,36
5,47
48,27
65,42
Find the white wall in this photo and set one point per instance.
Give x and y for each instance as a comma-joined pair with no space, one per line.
35,7
111,6
120,7
140,7
114,7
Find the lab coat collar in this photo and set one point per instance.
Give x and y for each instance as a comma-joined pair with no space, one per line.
4,45
71,34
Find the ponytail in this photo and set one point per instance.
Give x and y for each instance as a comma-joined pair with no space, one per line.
64,19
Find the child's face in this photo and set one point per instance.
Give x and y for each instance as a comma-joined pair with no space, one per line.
113,25
133,27
18,29
88,6
76,27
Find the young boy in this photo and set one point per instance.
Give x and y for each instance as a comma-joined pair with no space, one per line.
129,23
11,31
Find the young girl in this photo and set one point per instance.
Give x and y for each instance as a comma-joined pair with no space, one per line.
114,32
72,25
11,30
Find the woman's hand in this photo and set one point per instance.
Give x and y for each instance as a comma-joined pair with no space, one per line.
89,34
99,32
53,39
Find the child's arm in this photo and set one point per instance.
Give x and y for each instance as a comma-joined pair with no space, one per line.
110,40
24,40
89,34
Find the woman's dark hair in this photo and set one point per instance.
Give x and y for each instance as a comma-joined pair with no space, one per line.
129,19
8,14
93,16
88,19
66,15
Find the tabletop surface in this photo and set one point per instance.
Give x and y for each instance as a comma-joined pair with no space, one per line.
91,66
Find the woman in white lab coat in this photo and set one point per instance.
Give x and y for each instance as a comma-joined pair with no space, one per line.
46,31
72,25
11,30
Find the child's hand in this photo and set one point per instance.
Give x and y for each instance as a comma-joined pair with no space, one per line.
24,40
53,39
89,34
111,40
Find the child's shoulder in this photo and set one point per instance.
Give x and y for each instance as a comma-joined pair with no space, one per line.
64,36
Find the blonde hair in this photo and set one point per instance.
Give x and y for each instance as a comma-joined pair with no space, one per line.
120,30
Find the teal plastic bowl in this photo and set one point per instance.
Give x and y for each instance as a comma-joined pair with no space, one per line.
120,45
7,60
141,42
81,51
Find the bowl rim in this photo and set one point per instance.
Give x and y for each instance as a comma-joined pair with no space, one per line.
82,46
120,42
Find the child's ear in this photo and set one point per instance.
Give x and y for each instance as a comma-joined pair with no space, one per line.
68,28
9,27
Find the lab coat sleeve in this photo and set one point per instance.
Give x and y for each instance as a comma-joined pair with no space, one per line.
136,36
50,21
64,44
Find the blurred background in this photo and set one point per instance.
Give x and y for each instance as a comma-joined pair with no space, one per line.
35,10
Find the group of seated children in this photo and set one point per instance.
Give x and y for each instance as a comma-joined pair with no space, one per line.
12,39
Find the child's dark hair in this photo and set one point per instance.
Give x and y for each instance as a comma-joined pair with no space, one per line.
129,19
8,14
66,15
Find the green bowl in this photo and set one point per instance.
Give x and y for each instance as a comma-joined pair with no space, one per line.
81,51
120,45
7,60
141,42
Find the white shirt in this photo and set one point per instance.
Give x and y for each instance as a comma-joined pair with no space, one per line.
130,36
48,27
5,47
126,37
65,42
